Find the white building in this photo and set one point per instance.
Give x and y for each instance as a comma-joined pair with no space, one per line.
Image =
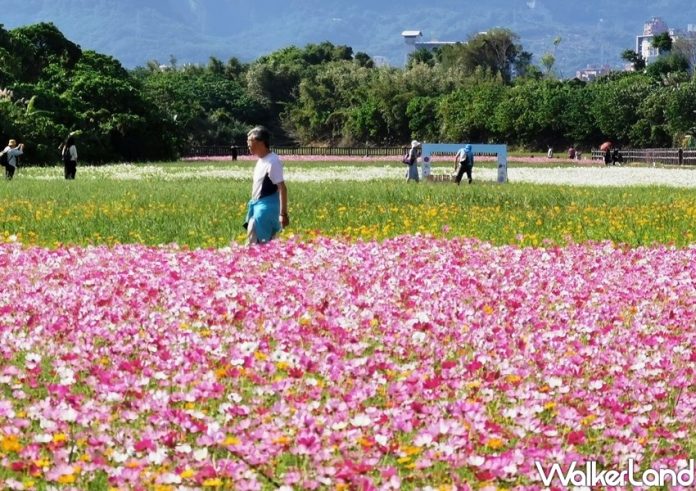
590,73
644,45
414,42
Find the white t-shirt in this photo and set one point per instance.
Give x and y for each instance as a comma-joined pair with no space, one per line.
270,166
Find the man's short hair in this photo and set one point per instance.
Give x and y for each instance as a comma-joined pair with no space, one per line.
260,133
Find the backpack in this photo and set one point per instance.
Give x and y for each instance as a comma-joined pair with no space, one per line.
4,159
66,155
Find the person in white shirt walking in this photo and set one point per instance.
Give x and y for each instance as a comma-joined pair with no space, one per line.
268,208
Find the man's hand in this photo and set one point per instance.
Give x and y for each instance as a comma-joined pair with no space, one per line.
284,220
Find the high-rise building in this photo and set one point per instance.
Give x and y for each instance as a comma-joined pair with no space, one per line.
644,46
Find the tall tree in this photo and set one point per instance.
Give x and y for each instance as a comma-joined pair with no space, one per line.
497,51
636,59
39,45
662,41
686,46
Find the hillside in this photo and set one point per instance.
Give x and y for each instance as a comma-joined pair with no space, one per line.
592,32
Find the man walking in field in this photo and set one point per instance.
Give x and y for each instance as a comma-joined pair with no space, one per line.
268,208
464,162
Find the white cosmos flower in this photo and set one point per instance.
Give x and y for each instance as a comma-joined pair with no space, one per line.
43,438
158,456
200,454
33,358
596,385
423,440
170,478
476,460
119,457
418,337
184,448
573,176
361,420
68,415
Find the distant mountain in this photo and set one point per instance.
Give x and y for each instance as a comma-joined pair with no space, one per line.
135,31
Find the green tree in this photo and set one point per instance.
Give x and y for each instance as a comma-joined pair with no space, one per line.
421,55
497,51
364,60
423,118
548,60
663,42
467,114
634,58
668,64
686,46
39,45
529,114
614,104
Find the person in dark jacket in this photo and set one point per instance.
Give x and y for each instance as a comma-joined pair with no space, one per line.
68,153
616,157
607,156
464,162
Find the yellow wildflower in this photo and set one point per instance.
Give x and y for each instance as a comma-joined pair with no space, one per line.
232,440
10,443
66,479
495,443
59,437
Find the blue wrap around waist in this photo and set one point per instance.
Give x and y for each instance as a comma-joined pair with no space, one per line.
266,215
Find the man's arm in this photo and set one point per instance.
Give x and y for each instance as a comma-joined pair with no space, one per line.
283,190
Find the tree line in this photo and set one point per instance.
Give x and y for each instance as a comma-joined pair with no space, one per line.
486,90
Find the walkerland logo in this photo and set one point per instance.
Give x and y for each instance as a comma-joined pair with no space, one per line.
588,475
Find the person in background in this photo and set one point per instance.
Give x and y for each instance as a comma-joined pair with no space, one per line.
412,171
234,152
571,153
607,156
464,162
268,208
68,153
549,153
12,151
616,157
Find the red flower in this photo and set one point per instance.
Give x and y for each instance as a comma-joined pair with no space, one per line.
576,437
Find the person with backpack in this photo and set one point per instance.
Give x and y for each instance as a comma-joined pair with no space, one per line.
68,153
411,160
464,162
8,157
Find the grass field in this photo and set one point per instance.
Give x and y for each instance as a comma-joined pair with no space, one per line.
208,211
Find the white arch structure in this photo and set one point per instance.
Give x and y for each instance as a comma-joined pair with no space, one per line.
500,151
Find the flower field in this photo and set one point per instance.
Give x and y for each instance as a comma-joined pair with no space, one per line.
354,171
413,362
486,329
